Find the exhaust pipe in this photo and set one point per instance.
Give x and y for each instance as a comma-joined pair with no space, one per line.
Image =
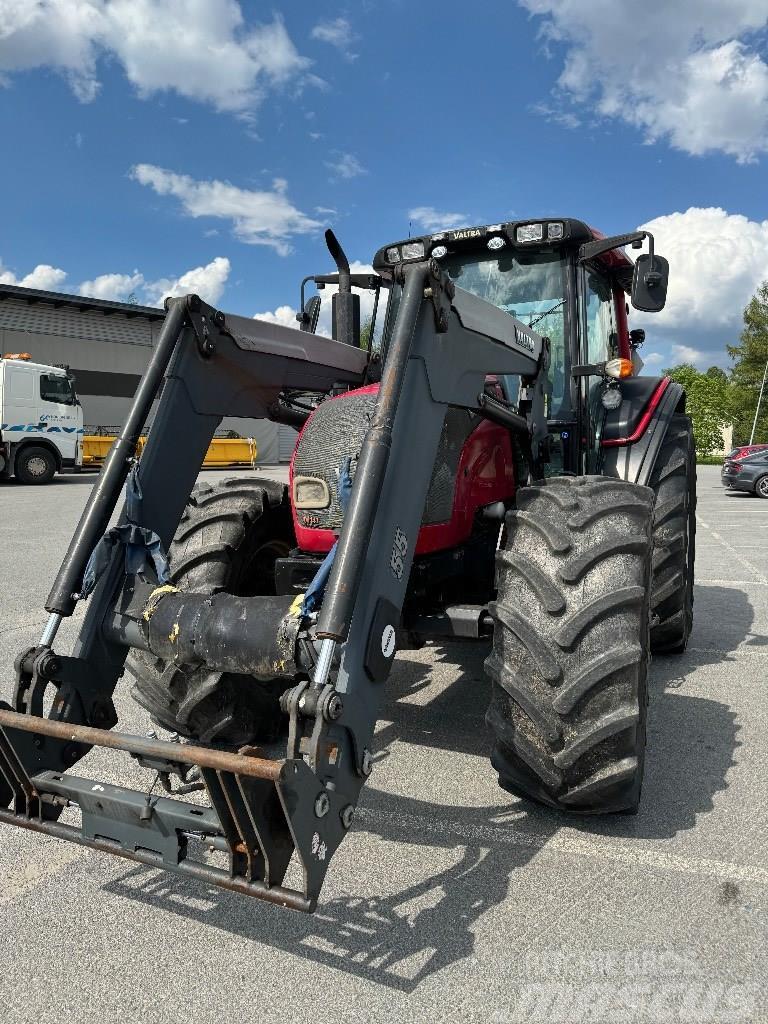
345,306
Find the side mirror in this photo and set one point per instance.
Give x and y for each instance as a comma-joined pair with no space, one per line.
310,315
649,283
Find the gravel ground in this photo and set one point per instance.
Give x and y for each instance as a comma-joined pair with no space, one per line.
449,900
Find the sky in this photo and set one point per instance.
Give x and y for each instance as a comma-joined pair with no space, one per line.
156,147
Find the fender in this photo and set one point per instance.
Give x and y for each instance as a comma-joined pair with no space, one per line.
632,434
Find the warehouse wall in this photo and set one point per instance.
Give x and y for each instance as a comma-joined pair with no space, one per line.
107,355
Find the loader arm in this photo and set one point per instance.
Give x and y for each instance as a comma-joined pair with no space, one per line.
262,812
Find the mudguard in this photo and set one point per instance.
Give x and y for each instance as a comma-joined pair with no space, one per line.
633,433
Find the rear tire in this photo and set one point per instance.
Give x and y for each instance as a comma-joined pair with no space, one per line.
673,482
228,539
571,645
761,487
35,465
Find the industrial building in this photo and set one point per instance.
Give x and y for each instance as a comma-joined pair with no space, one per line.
107,347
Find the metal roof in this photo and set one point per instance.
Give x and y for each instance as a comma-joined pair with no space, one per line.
81,302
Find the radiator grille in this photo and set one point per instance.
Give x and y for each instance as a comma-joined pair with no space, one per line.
336,431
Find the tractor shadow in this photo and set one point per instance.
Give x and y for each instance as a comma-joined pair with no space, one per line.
462,858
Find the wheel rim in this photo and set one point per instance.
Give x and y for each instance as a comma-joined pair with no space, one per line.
762,487
37,466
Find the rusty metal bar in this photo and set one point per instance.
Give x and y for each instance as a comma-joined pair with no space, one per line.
182,753
202,872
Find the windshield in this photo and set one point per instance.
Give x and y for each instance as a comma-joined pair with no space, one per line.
529,286
56,388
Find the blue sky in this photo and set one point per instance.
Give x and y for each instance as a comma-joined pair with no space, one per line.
157,146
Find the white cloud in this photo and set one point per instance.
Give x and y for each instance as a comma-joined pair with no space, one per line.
200,49
687,354
207,282
338,33
258,217
286,315
652,358
431,219
44,277
716,262
115,287
687,72
346,166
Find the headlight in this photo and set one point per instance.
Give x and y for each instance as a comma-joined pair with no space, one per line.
530,233
309,492
393,255
611,397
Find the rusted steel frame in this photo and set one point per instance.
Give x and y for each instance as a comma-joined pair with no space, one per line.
202,872
16,777
181,753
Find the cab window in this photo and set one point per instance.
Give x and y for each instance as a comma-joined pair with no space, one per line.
602,337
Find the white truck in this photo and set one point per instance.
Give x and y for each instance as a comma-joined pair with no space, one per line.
41,421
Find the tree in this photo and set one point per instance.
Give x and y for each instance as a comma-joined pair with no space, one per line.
749,359
709,404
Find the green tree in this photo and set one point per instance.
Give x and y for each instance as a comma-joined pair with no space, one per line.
709,404
365,332
749,359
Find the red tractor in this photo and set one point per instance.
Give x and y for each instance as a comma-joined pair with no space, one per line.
479,461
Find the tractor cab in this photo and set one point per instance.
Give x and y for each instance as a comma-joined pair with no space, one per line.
562,279
570,284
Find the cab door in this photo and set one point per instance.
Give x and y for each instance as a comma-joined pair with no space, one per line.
21,406
599,342
59,413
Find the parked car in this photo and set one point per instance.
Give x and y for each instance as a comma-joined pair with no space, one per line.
745,449
749,473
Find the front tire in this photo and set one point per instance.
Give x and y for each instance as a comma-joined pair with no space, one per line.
35,465
761,487
571,645
228,539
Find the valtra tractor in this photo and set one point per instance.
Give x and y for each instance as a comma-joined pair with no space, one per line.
478,461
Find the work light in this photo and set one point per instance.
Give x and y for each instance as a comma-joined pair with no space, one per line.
413,251
530,233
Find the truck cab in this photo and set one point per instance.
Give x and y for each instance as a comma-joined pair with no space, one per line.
41,420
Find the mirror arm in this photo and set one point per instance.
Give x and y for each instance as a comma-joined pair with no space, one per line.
301,316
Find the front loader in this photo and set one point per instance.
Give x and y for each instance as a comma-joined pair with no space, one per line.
463,475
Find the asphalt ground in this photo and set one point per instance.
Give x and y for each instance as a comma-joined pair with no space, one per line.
450,900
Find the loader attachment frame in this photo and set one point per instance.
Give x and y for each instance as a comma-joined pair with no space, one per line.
444,343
